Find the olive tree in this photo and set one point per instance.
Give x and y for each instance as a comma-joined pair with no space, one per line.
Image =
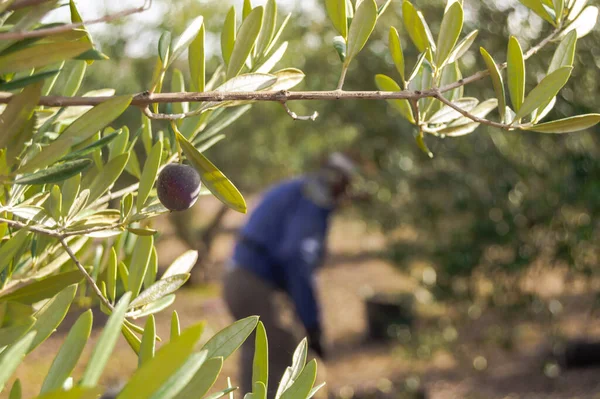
69,226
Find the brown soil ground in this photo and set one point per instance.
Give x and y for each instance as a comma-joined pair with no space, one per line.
487,355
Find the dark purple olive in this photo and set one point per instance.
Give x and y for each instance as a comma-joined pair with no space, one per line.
178,186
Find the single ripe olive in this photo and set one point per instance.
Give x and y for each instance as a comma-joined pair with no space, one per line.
178,186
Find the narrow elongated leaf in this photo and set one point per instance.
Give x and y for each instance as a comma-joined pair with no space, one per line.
153,307
461,48
292,372
203,380
314,391
178,86
197,60
245,41
336,9
226,341
132,339
516,73
81,129
19,83
246,9
18,111
56,173
559,7
9,334
457,131
52,314
12,356
139,264
287,78
480,111
416,26
447,114
396,52
223,123
148,346
108,177
212,177
385,83
544,91
159,290
74,393
75,78
164,48
16,390
543,111
111,275
270,63
182,265
268,27
278,34
303,384
43,289
178,380
150,277
450,29
40,55
105,344
94,146
260,366
70,191
175,327
149,174
575,8
156,371
228,35
9,248
567,125
537,7
565,52
361,28
187,37
497,81
69,353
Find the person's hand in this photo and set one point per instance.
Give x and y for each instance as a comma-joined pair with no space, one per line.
315,342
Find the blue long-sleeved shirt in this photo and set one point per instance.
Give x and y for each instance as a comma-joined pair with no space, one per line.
283,243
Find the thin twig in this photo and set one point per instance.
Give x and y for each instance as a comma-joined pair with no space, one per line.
297,117
471,116
86,274
33,229
68,27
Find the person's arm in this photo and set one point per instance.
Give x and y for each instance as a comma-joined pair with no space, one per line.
299,253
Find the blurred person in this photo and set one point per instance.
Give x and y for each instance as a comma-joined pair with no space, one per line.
279,250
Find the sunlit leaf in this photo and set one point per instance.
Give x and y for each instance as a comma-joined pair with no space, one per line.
52,314
396,52
336,9
19,83
78,131
56,173
157,370
105,344
18,111
361,28
182,265
43,289
417,27
226,341
268,27
497,81
260,365
565,52
450,29
537,7
245,41
12,356
161,288
203,380
153,307
186,38
462,47
228,35
385,83
212,177
447,114
303,384
108,177
270,63
584,23
196,60
567,125
69,353
149,174
544,91
516,73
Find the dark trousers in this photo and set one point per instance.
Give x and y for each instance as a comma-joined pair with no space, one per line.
248,295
